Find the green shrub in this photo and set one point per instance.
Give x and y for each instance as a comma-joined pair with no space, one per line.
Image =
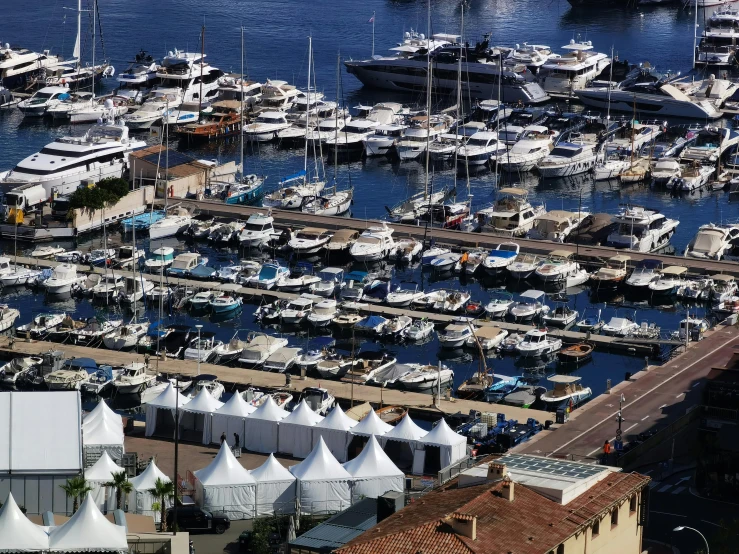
103,195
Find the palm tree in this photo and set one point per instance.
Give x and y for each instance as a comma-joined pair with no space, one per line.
163,491
76,487
122,486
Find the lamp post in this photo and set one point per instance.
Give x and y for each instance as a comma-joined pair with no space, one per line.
618,443
198,327
176,448
681,527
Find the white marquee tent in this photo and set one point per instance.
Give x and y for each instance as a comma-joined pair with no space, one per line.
102,410
402,441
197,414
229,419
102,435
296,433
140,499
334,430
276,488
17,532
160,411
100,473
452,447
226,486
88,531
374,473
261,429
370,425
324,486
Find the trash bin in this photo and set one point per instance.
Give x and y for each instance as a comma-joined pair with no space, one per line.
244,540
563,415
627,376
547,424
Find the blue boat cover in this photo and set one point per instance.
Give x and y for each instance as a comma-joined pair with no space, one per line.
371,321
83,363
293,177
356,276
202,271
502,254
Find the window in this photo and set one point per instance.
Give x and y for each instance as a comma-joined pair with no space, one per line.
561,549
596,528
632,505
614,517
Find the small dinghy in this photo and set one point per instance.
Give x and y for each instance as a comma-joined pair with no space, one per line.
577,353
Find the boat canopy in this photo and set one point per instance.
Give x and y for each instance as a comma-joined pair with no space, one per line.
674,270
561,254
513,191
620,259
488,332
563,379
533,294
503,254
722,277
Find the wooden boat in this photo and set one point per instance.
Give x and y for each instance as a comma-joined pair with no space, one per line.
391,414
576,353
474,387
224,121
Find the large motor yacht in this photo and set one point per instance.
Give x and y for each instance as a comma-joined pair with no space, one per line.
406,70
189,72
512,214
562,75
19,66
712,241
710,144
641,230
138,78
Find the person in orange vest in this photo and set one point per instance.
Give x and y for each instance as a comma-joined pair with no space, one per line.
606,451
464,258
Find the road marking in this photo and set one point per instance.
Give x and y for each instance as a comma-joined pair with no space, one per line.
678,490
645,417
630,428
666,487
667,514
698,383
679,395
654,484
662,406
682,479
650,391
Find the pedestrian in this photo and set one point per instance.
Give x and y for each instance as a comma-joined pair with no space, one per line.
223,437
464,258
237,441
606,451
288,378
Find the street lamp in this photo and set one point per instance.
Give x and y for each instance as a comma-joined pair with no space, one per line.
176,448
681,527
618,443
198,327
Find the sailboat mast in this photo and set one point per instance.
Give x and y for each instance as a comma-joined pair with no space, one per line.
459,93
336,119
241,131
202,55
76,53
610,81
695,32
94,21
133,268
307,107
428,97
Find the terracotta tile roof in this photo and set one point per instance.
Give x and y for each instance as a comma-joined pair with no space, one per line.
531,524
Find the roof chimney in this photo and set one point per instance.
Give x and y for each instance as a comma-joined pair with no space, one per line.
497,471
464,524
389,503
508,489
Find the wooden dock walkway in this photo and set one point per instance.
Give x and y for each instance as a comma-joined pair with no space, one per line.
240,378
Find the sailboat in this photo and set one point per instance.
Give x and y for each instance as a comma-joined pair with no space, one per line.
635,174
336,202
247,189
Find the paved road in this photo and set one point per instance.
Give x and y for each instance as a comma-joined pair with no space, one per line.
658,396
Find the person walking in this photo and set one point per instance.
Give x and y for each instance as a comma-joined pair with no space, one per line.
606,451
223,437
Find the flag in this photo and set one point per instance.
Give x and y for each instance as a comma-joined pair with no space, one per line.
371,19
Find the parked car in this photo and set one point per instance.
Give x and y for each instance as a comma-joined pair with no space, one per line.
194,518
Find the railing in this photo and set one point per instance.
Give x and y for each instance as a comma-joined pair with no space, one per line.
727,414
450,472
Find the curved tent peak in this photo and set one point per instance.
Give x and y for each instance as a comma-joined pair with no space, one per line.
103,469
109,417
147,478
169,398
270,411
337,419
320,465
406,429
103,409
224,470
88,530
303,415
102,432
371,424
17,532
203,403
271,470
236,406
442,434
372,462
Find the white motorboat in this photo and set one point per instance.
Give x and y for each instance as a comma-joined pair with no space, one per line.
266,126
423,130
225,303
511,342
512,214
47,252
425,377
724,288
524,266
40,326
135,289
610,166
710,144
160,104
419,330
406,250
619,327
133,379
189,73
374,244
501,257
331,281
201,300
431,253
692,328
487,338
323,313
558,267
228,352
173,223
641,230
258,231
664,171
382,139
125,337
561,316
480,148
298,309
693,176
590,322
282,360
19,276
611,275
712,241
499,304
292,197
556,225
278,95
92,333
318,399
11,371
63,278
696,289
202,347
309,240
67,378
342,241
529,305
471,261
645,272
300,279
567,391
336,202
445,262
568,158
269,275
402,296
161,260
8,316
109,287
538,342
259,347
40,101
572,71
670,280
535,145
450,301
352,136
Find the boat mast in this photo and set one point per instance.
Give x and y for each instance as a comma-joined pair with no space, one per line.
610,82
94,20
307,110
695,32
133,268
76,53
202,55
459,95
241,131
428,97
336,119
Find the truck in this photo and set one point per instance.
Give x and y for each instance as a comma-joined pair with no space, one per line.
26,197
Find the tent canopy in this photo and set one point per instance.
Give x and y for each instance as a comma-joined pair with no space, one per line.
442,435
406,430
224,470
337,419
203,403
371,424
17,532
236,406
102,409
102,470
303,415
372,462
88,531
100,432
146,480
271,471
269,411
169,398
320,465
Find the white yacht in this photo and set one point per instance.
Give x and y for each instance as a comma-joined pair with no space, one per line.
190,73
323,313
567,391
568,158
535,144
556,225
712,241
266,126
258,231
125,337
41,100
202,347
278,95
309,240
108,287
693,176
20,66
665,171
382,139
645,272
133,379
425,377
560,267
138,78
260,347
538,342
454,335
512,214
174,222
161,259
62,165
710,144
533,56
352,137
374,244
562,75
162,102
480,148
63,278
529,305
422,131
619,327
135,289
501,257
402,296
641,230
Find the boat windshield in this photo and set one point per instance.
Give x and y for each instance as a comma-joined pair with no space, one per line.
256,227
368,240
631,230
565,152
268,272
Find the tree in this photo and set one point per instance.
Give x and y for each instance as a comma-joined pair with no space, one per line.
75,488
163,491
122,486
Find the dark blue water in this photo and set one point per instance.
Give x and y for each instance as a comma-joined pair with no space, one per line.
276,44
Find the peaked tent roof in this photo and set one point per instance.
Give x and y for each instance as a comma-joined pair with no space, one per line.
224,470
236,406
113,420
17,532
147,478
272,471
443,435
102,432
166,398
88,531
320,465
406,430
372,462
203,403
371,424
337,419
303,415
269,410
103,469
102,409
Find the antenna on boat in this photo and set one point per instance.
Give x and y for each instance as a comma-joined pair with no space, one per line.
241,133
